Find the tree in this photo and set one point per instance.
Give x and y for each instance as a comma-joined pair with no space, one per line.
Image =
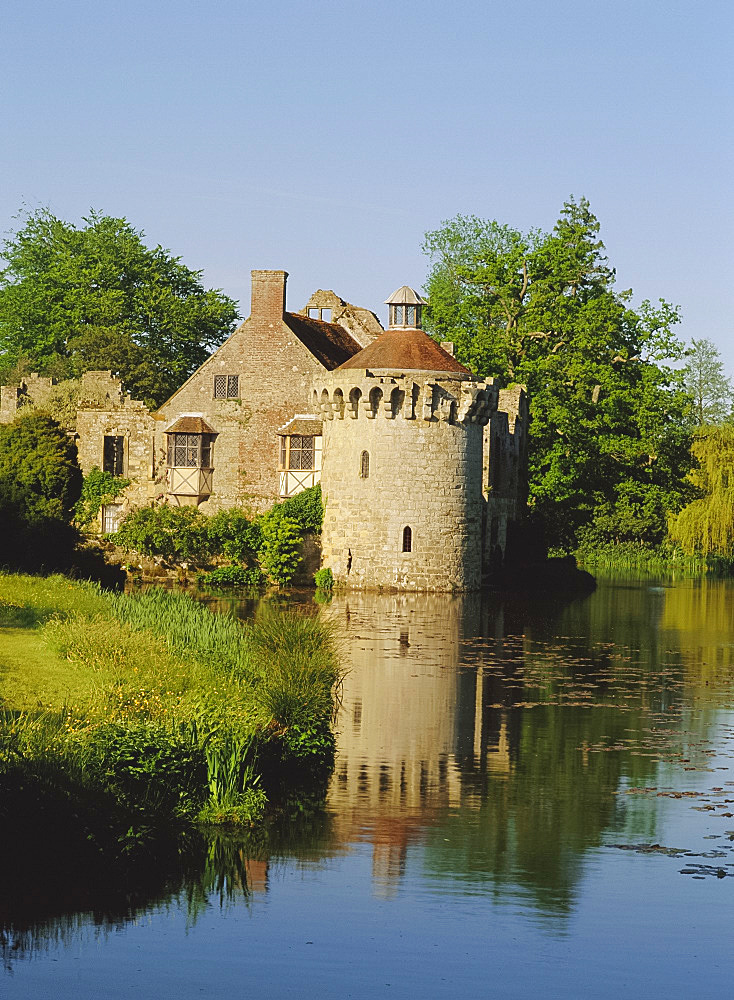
609,431
40,482
708,385
74,299
706,525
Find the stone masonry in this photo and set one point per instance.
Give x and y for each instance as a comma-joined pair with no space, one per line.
403,451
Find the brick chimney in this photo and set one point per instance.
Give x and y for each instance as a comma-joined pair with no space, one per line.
268,295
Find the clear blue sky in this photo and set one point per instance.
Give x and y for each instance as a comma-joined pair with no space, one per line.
325,138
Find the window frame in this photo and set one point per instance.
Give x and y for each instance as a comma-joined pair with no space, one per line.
189,451
116,467
230,385
287,452
407,539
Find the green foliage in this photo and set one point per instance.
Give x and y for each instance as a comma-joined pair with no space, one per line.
98,488
708,385
40,476
636,558
232,576
233,534
610,425
706,525
175,533
148,768
306,508
235,795
40,482
324,579
280,551
96,297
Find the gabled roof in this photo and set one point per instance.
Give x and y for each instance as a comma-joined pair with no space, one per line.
406,350
329,343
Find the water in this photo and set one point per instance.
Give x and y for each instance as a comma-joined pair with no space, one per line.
531,796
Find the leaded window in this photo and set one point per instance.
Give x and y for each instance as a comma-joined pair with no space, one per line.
301,451
364,465
189,451
226,386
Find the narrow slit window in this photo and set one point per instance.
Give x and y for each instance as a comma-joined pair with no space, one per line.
407,539
364,465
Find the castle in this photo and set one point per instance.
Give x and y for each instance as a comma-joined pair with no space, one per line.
421,462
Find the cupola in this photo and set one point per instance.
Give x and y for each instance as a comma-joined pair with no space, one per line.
406,307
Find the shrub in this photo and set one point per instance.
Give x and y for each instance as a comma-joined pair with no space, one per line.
147,768
324,579
98,488
176,533
39,471
233,534
280,551
40,482
306,508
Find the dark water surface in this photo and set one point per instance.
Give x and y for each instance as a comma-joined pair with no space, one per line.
532,797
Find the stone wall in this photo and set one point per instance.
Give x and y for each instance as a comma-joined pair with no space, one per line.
105,410
361,323
423,435
32,389
275,371
505,471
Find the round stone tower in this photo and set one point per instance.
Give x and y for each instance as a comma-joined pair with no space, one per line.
402,461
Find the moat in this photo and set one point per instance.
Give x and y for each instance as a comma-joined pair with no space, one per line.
531,796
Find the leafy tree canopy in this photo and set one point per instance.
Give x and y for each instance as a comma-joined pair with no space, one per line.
706,525
708,385
74,299
610,426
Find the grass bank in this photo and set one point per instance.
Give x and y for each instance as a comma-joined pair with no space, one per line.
632,557
126,718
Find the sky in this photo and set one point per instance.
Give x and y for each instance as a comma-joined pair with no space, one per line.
326,138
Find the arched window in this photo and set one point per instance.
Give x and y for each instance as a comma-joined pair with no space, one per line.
407,539
364,465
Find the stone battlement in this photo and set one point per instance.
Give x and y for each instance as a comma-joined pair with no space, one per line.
410,397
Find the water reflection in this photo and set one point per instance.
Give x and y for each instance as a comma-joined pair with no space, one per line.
497,735
485,749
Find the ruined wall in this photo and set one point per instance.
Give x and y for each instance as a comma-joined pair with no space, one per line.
361,323
423,436
34,388
104,409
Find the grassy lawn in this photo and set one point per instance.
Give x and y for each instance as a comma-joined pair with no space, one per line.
120,689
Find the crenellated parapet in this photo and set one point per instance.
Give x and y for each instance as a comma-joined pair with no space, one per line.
404,397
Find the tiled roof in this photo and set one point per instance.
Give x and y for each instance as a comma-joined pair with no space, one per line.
405,350
301,424
328,342
190,425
